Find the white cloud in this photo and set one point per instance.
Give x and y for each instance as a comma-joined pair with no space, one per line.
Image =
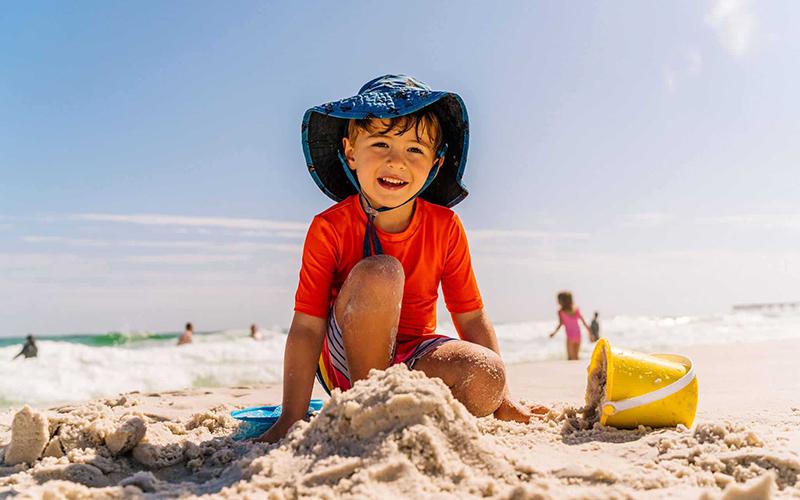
645,220
770,221
191,221
495,234
236,247
734,24
75,242
184,259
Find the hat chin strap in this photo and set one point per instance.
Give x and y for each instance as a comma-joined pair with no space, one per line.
371,240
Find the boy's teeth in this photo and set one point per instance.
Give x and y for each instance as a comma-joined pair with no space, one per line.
392,181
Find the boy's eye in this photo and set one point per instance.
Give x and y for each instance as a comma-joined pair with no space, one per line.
380,145
415,150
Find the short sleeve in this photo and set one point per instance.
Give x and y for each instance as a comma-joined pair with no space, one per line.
313,295
459,285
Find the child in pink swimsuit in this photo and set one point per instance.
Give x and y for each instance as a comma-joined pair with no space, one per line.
568,316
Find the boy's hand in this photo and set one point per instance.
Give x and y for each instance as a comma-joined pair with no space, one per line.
277,431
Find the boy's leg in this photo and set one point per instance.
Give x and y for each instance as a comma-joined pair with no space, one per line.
475,375
368,310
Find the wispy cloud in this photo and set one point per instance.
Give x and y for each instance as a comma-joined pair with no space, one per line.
645,220
234,247
5,222
770,221
191,221
75,242
734,24
184,259
524,234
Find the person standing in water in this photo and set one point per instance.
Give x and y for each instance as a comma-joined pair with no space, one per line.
568,316
29,349
186,337
594,329
255,333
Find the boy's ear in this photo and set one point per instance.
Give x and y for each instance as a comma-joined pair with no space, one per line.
347,146
440,161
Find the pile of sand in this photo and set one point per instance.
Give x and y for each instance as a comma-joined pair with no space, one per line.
396,434
113,443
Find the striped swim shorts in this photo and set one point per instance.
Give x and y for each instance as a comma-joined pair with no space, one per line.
333,372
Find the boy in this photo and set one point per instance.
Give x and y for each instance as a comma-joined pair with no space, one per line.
372,263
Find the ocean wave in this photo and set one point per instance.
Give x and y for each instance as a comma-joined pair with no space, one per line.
78,368
65,372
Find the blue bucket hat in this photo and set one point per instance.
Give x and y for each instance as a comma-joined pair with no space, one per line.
388,96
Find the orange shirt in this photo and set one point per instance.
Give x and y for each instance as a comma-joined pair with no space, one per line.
433,250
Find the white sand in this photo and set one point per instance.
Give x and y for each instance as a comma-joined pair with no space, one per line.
400,434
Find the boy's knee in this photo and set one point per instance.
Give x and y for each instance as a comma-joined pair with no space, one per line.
378,273
486,387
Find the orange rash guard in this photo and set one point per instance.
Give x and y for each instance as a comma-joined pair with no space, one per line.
433,250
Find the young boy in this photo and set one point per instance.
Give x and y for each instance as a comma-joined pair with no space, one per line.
392,157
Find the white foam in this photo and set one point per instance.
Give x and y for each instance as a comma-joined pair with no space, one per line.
66,372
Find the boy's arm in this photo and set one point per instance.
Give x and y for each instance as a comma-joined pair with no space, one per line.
475,327
300,359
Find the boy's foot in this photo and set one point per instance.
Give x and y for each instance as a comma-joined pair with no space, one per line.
517,412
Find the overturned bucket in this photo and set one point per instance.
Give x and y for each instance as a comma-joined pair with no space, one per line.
630,388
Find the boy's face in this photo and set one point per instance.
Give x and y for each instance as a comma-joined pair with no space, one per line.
390,168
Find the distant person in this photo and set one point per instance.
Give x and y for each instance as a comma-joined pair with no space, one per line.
568,316
186,337
255,333
29,349
594,329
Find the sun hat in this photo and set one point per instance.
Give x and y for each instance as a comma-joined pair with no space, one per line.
387,96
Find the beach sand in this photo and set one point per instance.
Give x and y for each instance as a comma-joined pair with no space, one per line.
400,434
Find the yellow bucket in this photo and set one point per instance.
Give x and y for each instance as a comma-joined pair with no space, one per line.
656,390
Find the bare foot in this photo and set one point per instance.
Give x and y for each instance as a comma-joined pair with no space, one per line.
538,410
513,411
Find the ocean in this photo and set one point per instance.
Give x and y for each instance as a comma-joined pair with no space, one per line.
72,368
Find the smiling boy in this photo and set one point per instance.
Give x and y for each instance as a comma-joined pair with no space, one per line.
392,157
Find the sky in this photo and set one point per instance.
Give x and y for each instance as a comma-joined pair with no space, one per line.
642,154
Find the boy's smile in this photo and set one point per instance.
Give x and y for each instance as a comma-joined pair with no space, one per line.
390,167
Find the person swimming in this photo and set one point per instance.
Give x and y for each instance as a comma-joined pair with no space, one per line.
29,349
255,333
186,337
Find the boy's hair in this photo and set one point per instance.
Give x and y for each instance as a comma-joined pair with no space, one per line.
189,326
565,301
424,120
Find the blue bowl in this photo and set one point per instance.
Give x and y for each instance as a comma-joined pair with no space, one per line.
257,420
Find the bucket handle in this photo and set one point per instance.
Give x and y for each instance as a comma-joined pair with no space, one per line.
612,407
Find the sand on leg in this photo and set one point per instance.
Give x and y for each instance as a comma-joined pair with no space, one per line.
475,375
368,310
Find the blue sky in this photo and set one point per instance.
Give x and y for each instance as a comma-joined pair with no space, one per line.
642,154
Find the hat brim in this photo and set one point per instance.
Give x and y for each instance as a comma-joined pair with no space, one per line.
324,127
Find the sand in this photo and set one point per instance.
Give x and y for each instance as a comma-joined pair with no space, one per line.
400,434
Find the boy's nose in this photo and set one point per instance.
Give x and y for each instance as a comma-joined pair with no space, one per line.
395,159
